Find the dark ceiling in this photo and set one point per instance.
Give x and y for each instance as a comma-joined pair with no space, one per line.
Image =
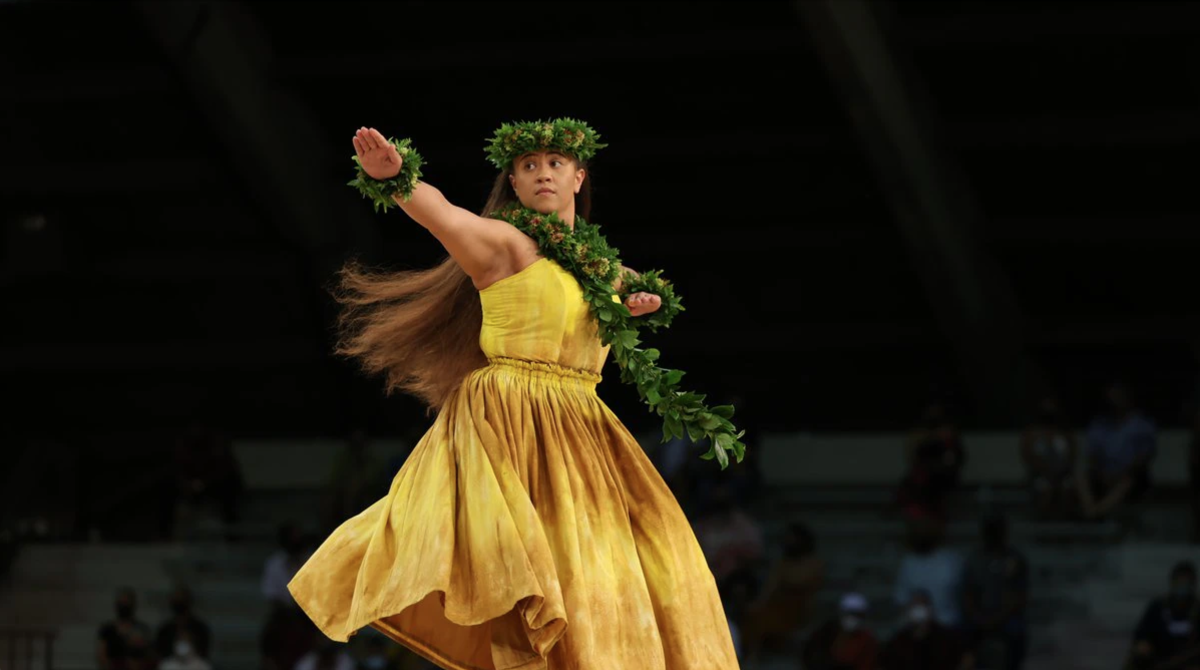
173,183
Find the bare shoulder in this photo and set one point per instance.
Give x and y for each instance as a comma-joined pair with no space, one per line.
515,252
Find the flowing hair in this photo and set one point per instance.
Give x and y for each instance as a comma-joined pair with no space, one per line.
420,328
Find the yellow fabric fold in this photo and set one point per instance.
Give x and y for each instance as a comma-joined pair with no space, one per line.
527,529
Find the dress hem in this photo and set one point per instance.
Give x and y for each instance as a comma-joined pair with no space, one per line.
432,653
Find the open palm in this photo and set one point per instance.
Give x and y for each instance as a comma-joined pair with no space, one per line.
378,157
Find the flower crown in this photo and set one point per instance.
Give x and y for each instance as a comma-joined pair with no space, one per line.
568,136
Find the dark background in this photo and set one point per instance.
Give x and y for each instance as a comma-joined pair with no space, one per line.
980,202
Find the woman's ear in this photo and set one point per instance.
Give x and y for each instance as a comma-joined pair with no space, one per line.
579,175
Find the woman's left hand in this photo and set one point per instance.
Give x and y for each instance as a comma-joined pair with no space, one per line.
643,303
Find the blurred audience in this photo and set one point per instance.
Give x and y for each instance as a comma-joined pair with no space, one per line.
207,473
126,643
183,655
844,642
784,606
288,634
1194,476
995,593
934,455
737,592
326,655
924,643
729,537
356,480
1168,635
183,624
1121,443
932,569
1049,451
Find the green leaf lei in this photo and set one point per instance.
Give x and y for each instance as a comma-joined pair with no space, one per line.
585,253
568,136
380,191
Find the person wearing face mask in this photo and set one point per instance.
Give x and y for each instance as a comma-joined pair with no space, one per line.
1049,451
844,642
183,656
1168,635
125,642
931,568
924,643
327,655
183,621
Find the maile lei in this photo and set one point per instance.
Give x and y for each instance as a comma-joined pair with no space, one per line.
586,254
596,266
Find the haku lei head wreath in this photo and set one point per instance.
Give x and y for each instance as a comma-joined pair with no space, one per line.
569,137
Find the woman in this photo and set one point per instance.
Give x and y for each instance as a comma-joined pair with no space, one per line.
1049,452
527,529
783,608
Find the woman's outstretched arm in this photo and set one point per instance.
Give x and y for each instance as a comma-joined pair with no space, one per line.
482,247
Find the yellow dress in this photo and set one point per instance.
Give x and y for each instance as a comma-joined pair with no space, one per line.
527,529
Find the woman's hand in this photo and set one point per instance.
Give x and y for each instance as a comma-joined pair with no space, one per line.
378,157
643,303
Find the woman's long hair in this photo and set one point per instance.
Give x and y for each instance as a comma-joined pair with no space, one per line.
421,327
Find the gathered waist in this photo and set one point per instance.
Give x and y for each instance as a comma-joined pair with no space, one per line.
544,370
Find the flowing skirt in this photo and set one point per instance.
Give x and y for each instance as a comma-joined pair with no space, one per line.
526,530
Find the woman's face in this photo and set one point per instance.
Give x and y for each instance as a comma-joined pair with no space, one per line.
546,181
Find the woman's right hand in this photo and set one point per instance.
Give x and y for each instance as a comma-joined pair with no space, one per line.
378,157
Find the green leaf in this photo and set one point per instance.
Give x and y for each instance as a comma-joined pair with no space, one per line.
723,411
674,426
584,252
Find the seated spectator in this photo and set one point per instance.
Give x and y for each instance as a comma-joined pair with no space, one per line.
183,655
843,643
1194,476
1168,635
924,643
729,537
783,608
183,622
376,657
328,655
935,457
288,634
1049,451
995,592
207,472
1121,443
737,591
126,643
928,567
356,480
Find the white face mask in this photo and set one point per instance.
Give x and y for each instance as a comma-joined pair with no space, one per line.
850,622
918,614
183,648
